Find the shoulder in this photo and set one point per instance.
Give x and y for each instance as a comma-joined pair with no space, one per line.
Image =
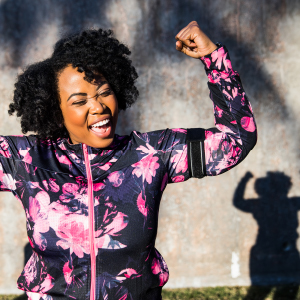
12,146
18,146
159,139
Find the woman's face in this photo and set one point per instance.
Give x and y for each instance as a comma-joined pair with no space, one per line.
90,110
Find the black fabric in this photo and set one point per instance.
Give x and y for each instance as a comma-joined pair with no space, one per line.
196,154
217,96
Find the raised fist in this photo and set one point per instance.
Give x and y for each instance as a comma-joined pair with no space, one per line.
192,41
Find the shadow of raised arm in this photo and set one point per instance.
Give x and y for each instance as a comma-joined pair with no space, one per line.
238,198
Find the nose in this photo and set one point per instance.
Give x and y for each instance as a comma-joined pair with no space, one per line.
97,107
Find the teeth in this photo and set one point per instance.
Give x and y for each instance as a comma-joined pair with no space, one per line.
101,123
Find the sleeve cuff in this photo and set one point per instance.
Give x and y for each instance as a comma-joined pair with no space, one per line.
218,64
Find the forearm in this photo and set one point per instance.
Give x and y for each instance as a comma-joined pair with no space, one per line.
235,133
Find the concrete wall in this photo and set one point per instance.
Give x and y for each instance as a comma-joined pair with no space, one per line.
206,239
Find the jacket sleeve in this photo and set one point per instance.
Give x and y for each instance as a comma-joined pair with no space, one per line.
235,133
13,150
225,145
7,166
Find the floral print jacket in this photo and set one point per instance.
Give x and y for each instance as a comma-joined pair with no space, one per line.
92,213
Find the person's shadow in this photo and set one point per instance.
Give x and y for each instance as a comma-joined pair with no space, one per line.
274,259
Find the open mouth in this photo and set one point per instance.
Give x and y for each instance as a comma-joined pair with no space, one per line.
101,128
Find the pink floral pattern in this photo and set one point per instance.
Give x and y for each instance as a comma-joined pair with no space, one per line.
49,177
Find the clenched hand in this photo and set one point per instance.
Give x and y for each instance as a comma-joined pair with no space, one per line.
192,41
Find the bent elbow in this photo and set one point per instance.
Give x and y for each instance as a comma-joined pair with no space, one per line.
253,140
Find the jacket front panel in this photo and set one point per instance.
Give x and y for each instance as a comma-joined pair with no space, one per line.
128,182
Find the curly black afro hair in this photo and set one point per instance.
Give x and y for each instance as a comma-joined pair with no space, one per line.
36,98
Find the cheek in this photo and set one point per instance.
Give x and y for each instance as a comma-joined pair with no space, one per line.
74,117
116,106
112,105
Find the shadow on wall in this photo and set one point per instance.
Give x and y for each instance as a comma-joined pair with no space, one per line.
274,259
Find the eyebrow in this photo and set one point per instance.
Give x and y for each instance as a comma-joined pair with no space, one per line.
101,83
85,94
77,94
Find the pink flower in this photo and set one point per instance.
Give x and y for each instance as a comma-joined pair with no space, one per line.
127,274
179,178
68,273
117,224
147,150
73,235
214,76
105,167
70,188
219,56
234,92
179,160
229,97
54,187
4,147
7,180
179,130
218,111
37,214
224,128
248,124
212,143
73,191
98,186
163,278
70,278
44,200
227,64
45,184
157,269
116,178
112,224
75,158
206,61
146,167
47,284
141,204
26,156
92,156
33,275
63,159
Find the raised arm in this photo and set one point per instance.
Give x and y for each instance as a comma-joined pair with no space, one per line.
238,198
234,136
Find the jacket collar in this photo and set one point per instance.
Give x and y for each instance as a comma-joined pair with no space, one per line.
67,145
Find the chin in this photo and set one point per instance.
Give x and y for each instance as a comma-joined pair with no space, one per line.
101,143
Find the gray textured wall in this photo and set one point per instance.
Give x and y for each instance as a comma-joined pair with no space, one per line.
206,239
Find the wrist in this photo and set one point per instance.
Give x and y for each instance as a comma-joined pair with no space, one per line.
212,47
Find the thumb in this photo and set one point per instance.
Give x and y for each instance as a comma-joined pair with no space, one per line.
179,45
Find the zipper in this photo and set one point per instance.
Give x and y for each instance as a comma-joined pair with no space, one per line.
91,222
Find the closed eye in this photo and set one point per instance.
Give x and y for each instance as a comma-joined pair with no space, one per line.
82,102
106,93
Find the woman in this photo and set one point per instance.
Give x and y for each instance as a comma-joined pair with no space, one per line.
90,196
